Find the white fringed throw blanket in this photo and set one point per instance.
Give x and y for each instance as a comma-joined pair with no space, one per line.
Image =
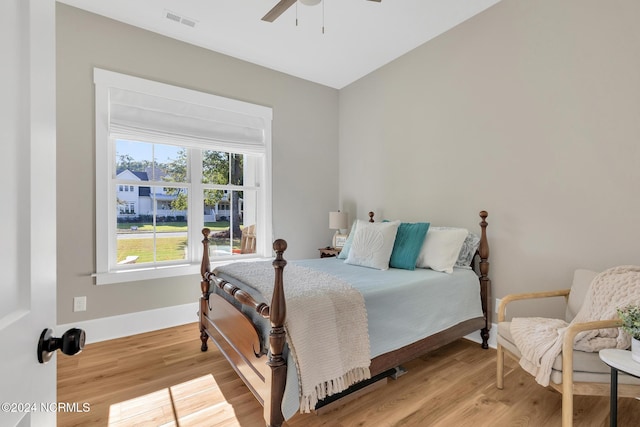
540,339
326,326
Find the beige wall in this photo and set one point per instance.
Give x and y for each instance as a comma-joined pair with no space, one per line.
530,110
305,127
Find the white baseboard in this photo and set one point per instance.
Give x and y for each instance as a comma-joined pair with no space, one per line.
124,325
475,336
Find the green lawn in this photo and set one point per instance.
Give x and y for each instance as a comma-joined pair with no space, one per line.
167,248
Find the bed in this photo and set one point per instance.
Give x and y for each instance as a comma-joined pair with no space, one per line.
245,314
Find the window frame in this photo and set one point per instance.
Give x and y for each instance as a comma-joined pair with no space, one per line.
107,270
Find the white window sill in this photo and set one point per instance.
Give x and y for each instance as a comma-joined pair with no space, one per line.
151,273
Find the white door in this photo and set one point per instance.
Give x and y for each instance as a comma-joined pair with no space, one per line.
27,210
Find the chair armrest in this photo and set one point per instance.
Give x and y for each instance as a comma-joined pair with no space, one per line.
531,295
576,328
567,345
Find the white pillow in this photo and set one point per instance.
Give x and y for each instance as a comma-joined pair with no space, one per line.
441,248
372,244
347,245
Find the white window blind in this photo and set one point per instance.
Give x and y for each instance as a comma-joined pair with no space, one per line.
155,111
152,118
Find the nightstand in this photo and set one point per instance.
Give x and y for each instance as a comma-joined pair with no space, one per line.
329,252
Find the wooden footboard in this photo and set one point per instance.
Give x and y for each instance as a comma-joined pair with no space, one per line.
237,338
265,375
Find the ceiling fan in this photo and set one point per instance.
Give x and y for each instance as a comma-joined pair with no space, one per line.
283,5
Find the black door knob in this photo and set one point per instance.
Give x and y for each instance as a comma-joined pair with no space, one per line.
71,342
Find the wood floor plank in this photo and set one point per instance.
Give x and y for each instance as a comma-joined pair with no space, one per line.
161,378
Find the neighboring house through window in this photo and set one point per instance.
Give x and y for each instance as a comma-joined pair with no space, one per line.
168,162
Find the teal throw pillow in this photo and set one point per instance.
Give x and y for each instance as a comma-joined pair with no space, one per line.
406,248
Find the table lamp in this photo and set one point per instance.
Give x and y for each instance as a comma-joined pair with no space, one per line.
338,222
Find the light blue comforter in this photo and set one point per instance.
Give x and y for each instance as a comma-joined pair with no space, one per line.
403,306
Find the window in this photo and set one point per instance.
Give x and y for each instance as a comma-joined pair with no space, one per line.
170,161
126,208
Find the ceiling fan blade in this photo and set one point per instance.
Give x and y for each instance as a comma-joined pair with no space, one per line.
278,10
376,0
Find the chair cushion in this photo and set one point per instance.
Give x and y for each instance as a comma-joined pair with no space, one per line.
581,281
586,366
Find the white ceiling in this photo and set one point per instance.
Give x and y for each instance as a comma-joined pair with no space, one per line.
359,36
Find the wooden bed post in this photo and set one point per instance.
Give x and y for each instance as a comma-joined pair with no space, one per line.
277,339
485,282
204,287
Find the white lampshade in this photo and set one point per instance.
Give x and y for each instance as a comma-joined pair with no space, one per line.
338,220
310,2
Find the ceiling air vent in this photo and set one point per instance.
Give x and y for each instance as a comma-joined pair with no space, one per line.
173,17
182,19
189,22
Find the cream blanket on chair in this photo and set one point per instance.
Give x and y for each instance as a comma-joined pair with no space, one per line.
540,339
326,326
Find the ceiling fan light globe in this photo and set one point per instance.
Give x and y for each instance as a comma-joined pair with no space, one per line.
310,2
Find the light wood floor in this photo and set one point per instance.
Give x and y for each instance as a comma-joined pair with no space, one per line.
162,378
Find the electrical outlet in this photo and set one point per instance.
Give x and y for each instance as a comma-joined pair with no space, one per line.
497,305
79,303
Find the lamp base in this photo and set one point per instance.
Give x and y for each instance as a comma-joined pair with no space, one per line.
339,239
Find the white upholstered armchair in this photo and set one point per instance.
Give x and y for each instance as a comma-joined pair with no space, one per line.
573,372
